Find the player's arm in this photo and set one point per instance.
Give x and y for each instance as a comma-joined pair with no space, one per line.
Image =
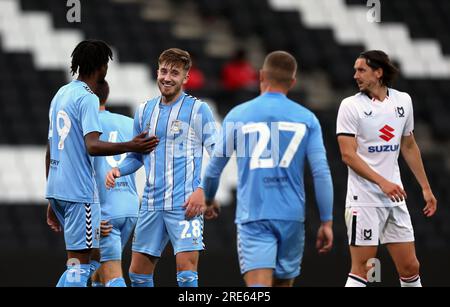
141,144
133,161
348,147
90,124
47,160
129,165
207,189
52,220
323,186
411,153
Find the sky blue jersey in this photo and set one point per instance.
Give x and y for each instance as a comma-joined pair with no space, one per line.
272,137
73,114
173,169
122,200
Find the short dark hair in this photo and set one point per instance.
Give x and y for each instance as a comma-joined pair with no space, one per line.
89,56
102,91
376,59
280,67
175,56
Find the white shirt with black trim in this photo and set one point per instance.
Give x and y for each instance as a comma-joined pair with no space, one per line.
378,128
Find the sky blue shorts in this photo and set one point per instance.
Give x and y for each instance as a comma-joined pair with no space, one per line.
81,223
111,246
271,244
155,228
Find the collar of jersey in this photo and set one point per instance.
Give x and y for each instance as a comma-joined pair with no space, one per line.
274,94
374,100
163,105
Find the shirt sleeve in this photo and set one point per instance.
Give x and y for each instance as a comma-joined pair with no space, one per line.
409,126
134,160
206,128
347,119
89,107
219,159
317,159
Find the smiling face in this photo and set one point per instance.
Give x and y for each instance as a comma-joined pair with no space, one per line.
367,78
171,78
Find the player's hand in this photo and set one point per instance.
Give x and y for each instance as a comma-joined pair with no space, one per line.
144,144
111,177
52,220
195,205
105,228
324,241
393,191
431,203
212,209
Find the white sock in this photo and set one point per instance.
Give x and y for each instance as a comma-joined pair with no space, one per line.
355,281
413,281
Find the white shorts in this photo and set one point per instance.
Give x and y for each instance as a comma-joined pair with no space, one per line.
366,226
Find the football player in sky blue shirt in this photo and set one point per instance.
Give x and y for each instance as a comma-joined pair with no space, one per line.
120,205
73,139
185,126
273,137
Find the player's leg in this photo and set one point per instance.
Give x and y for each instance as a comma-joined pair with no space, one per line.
82,235
112,247
363,236
81,228
111,255
150,239
187,240
96,279
291,242
257,251
399,239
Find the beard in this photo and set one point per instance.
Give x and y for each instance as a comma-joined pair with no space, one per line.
169,93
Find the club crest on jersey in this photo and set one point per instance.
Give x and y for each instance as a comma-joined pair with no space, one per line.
400,112
175,127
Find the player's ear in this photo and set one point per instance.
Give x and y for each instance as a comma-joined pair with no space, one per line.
379,73
186,78
293,82
261,76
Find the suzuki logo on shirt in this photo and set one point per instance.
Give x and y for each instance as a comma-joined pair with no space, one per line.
387,133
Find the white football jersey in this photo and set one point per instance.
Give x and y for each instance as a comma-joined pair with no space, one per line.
378,128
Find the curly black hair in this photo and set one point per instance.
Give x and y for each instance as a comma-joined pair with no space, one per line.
89,56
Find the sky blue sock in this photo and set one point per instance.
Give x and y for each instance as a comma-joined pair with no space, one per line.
187,279
77,275
97,284
141,280
94,265
62,280
257,286
116,283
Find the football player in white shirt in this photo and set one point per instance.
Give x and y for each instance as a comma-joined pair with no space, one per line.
373,126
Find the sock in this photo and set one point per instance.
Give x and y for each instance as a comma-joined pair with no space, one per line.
413,281
141,280
355,281
116,282
257,286
97,284
62,280
187,279
77,275
94,265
